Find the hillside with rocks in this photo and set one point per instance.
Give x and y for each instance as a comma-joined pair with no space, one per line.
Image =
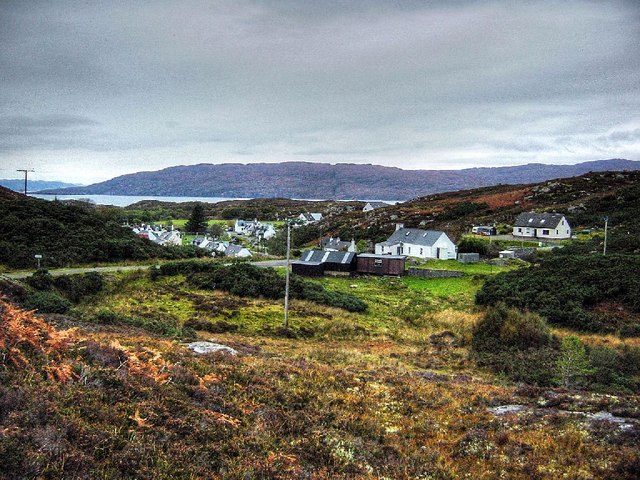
586,200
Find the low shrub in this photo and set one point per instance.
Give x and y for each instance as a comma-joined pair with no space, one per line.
516,344
40,280
76,287
520,346
246,280
504,328
47,302
185,267
573,291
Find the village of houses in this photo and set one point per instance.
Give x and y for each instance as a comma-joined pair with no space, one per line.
335,256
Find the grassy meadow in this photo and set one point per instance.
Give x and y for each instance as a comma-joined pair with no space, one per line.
389,393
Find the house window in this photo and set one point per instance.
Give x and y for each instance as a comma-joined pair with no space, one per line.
520,230
420,251
545,232
408,249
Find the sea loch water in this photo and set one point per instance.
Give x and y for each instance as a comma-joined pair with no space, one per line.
126,200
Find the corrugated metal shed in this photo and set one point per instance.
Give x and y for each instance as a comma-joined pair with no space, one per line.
329,261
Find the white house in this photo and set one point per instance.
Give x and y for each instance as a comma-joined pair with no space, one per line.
171,237
542,225
415,242
306,218
159,235
331,244
245,227
266,231
373,205
203,242
237,251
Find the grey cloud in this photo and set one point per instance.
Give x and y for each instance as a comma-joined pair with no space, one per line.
332,81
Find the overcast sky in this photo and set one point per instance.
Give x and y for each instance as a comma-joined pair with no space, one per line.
92,90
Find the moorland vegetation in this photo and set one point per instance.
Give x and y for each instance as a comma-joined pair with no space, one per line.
481,376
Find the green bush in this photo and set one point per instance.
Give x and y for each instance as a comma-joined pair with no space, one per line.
47,302
516,344
71,234
566,289
573,365
40,280
473,245
247,280
504,328
76,287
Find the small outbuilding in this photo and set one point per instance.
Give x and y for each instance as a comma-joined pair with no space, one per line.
308,269
368,263
318,262
487,230
468,257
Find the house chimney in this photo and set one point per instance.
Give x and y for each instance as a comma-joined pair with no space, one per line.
399,226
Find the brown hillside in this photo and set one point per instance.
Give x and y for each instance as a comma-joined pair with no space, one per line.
457,212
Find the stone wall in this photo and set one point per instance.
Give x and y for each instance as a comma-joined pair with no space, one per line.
426,273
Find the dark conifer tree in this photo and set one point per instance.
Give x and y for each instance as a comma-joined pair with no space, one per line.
197,222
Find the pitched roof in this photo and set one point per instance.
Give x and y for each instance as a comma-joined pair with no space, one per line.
415,236
387,257
320,256
334,243
234,249
538,220
378,204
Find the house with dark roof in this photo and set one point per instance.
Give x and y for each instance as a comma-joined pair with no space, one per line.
317,262
415,242
337,245
373,205
552,226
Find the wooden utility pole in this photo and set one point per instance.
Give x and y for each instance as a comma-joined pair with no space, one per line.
26,173
286,281
606,224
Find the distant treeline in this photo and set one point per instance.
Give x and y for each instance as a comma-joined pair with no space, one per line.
260,208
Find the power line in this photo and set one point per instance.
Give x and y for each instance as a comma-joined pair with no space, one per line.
26,173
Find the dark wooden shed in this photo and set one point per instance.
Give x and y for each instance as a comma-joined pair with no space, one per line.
308,269
372,264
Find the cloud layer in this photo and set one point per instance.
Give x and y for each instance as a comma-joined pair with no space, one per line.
90,92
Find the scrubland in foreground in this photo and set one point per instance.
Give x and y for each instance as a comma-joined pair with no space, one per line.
388,393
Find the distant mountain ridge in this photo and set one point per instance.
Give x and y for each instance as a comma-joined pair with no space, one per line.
33,185
328,181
